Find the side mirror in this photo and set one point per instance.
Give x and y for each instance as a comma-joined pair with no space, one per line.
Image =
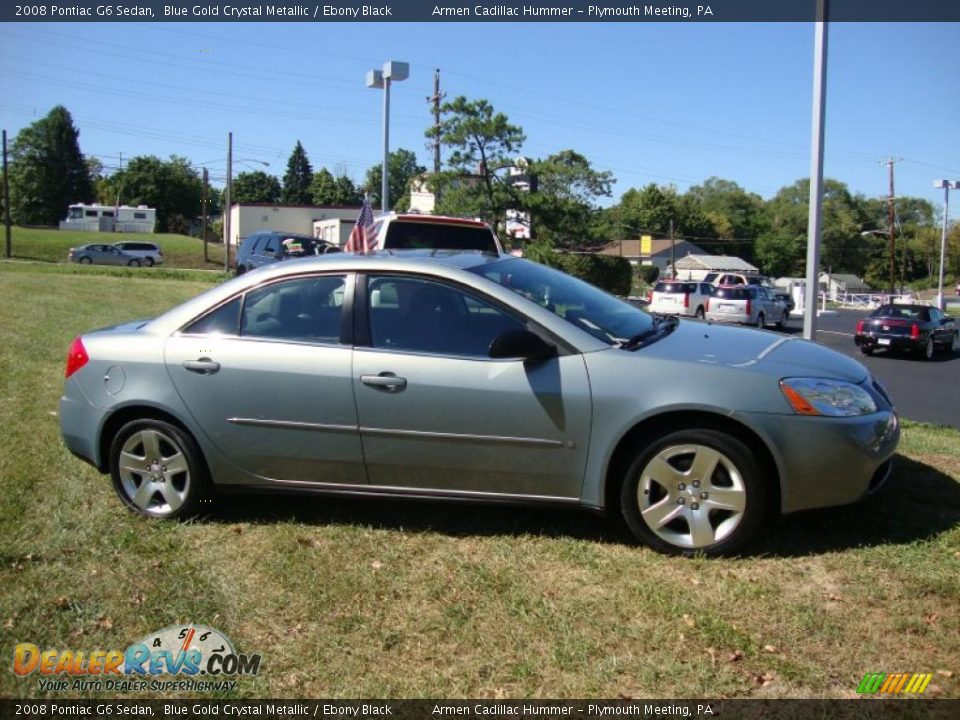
520,345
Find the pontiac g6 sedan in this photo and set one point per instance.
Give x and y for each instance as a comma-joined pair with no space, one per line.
469,376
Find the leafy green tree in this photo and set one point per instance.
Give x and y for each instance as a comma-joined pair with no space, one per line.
403,168
736,215
173,187
483,145
651,209
564,209
297,179
255,187
329,190
48,171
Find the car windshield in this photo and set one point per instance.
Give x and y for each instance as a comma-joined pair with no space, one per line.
671,287
586,307
418,235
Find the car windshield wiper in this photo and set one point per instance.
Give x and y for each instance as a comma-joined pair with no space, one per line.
662,326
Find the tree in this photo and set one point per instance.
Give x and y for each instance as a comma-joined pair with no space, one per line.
651,209
48,171
329,190
403,167
564,209
255,187
173,187
483,144
297,179
736,215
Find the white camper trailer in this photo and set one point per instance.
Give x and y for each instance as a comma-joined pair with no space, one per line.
110,218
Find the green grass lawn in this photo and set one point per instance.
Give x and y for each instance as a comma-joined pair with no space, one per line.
351,598
179,251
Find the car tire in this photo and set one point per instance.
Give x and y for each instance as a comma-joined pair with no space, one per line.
85,261
148,261
928,350
240,270
955,345
669,507
158,470
760,321
782,321
133,263
866,349
699,313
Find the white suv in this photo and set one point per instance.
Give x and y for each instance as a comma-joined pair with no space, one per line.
680,297
396,231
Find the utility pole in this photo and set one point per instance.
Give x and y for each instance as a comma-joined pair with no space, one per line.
226,205
116,207
890,228
435,99
203,216
6,196
673,254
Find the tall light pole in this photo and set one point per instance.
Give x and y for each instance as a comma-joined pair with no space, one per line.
946,185
393,71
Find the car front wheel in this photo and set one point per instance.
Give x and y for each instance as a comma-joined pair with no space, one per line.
694,491
157,470
133,263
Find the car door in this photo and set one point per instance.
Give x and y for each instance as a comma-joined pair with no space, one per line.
437,414
267,376
267,250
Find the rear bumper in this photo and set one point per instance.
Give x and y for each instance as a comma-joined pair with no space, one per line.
79,423
889,342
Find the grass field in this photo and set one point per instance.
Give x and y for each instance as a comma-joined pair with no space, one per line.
179,251
357,598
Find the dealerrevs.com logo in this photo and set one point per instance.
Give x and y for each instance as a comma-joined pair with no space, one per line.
183,651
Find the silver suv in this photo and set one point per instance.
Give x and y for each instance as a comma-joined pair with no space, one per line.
149,253
747,304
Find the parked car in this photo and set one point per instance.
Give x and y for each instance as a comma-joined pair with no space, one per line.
747,304
150,253
396,231
102,255
472,377
787,299
680,298
719,279
267,247
919,329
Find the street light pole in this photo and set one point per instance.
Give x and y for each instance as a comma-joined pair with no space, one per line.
393,70
946,185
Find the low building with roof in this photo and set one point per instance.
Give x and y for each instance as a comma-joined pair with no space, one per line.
697,266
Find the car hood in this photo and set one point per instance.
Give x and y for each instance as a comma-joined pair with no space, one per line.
745,348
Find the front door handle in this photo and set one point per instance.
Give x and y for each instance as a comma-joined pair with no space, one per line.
204,366
386,381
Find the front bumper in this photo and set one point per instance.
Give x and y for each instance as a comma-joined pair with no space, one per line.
825,462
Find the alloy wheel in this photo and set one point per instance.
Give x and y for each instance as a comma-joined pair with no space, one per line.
154,472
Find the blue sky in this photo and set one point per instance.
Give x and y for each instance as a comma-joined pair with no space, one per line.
666,103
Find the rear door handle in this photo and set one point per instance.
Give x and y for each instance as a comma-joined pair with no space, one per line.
204,366
388,382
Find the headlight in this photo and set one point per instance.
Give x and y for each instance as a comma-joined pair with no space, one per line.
833,398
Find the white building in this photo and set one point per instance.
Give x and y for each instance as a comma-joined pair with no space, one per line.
110,218
334,223
696,267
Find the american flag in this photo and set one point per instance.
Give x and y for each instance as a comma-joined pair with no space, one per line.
363,238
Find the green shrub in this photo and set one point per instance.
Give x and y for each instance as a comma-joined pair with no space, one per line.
649,273
613,274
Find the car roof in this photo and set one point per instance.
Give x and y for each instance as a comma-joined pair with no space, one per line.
436,220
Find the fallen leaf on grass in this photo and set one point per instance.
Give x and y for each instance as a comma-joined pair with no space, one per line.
310,542
931,618
8,623
945,673
137,599
712,652
62,602
770,649
237,529
764,679
376,564
689,620
105,623
833,597
735,656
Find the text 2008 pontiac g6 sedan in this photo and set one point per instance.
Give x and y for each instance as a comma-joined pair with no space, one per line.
473,377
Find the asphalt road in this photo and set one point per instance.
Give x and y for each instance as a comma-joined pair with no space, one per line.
921,390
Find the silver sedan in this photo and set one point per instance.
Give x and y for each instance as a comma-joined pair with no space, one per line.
472,377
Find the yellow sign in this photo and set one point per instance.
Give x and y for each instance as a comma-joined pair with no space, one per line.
646,244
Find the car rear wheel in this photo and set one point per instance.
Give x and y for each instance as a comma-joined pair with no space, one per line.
148,261
928,349
134,263
760,321
699,313
866,349
694,491
85,261
157,470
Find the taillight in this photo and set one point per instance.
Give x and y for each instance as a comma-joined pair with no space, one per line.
915,331
860,327
76,357
707,307
686,300
650,296
748,307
